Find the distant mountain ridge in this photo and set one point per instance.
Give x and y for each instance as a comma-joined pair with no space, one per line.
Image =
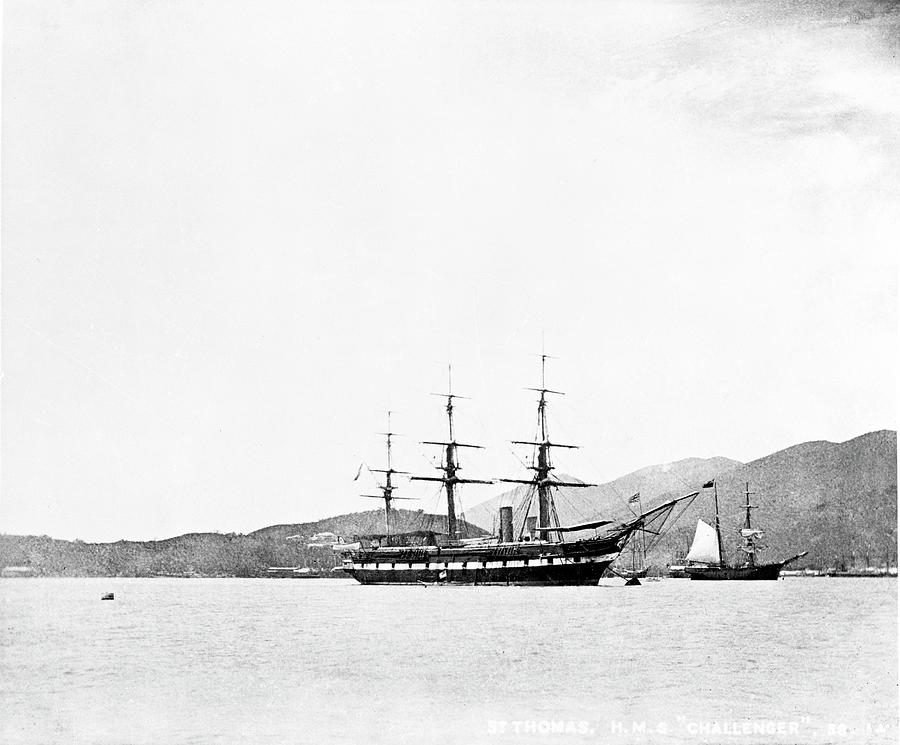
610,500
831,499
206,554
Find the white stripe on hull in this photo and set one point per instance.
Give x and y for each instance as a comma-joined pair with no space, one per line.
402,566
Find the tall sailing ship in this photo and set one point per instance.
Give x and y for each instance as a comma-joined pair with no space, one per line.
706,559
530,548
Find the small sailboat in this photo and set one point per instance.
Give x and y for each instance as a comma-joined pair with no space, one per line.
706,559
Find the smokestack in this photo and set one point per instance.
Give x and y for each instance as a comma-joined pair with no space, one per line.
531,526
506,525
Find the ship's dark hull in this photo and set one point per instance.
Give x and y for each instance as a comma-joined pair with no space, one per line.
533,563
571,574
761,571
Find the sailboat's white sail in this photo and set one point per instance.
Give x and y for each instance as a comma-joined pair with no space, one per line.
752,540
705,547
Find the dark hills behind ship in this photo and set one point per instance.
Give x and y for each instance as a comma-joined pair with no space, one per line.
832,499
207,554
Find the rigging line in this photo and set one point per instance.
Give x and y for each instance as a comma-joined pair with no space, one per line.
685,485
583,517
615,491
736,513
114,386
530,495
555,516
428,460
436,502
570,502
519,495
439,508
461,514
524,464
665,531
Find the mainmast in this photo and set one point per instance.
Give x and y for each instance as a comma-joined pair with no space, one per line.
387,490
634,546
718,529
751,555
542,465
450,462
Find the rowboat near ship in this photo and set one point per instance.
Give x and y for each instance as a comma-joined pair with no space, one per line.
635,570
530,548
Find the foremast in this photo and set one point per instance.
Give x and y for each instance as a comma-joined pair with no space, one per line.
388,488
542,465
450,462
718,527
751,536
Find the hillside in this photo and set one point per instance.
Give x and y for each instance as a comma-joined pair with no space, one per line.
611,499
366,523
832,499
204,554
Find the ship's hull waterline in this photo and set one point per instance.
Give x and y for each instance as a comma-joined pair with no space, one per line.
529,563
584,573
760,572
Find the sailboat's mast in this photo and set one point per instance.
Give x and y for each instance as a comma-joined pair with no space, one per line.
643,535
718,529
751,556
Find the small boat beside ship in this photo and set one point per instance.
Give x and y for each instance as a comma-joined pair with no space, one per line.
531,546
635,570
706,558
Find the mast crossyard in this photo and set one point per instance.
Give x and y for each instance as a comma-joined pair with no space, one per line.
542,465
388,488
450,462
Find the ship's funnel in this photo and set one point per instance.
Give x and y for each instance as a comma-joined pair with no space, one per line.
506,525
531,526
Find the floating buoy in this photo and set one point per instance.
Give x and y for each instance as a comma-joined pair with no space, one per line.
108,596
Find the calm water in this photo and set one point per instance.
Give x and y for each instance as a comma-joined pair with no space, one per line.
290,661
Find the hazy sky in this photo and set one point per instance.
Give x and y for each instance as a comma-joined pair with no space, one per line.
234,234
